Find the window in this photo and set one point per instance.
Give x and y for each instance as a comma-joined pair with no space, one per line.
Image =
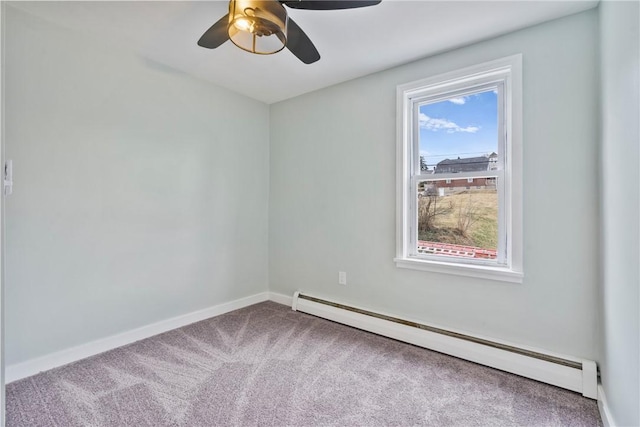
456,129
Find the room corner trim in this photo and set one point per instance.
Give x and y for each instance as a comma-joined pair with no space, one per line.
280,298
603,407
33,366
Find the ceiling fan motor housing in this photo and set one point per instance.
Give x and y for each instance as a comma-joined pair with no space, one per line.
258,26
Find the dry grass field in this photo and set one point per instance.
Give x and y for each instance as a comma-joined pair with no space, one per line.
467,217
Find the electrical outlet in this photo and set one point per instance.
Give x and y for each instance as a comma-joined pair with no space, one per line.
342,277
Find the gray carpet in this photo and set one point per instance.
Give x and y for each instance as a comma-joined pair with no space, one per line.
267,365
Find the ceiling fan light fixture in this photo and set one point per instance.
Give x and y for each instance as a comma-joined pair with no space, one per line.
258,26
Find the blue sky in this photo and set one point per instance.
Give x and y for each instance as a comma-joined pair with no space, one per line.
459,127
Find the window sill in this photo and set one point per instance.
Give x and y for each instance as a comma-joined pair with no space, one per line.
478,271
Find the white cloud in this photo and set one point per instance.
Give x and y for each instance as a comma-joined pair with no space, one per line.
458,101
435,125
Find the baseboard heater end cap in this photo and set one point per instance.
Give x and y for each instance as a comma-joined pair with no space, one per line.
590,379
294,304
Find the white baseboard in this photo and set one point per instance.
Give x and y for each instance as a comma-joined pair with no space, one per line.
582,379
63,357
281,298
603,407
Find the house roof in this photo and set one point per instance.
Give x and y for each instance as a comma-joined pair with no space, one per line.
468,164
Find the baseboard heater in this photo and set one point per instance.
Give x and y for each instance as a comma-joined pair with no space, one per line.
571,373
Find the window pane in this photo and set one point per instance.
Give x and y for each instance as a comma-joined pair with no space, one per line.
459,134
458,218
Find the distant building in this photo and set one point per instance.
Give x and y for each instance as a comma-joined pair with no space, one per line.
469,164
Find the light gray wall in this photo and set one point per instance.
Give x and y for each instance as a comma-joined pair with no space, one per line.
140,193
332,204
619,365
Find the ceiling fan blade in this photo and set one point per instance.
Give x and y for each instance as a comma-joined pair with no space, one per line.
216,35
300,45
328,4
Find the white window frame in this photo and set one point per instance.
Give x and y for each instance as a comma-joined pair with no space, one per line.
506,75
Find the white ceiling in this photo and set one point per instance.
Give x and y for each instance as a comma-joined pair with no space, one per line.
352,43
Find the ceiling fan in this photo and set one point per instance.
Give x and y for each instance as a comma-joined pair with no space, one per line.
263,26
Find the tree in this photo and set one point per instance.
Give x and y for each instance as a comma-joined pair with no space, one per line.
423,164
467,216
429,209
